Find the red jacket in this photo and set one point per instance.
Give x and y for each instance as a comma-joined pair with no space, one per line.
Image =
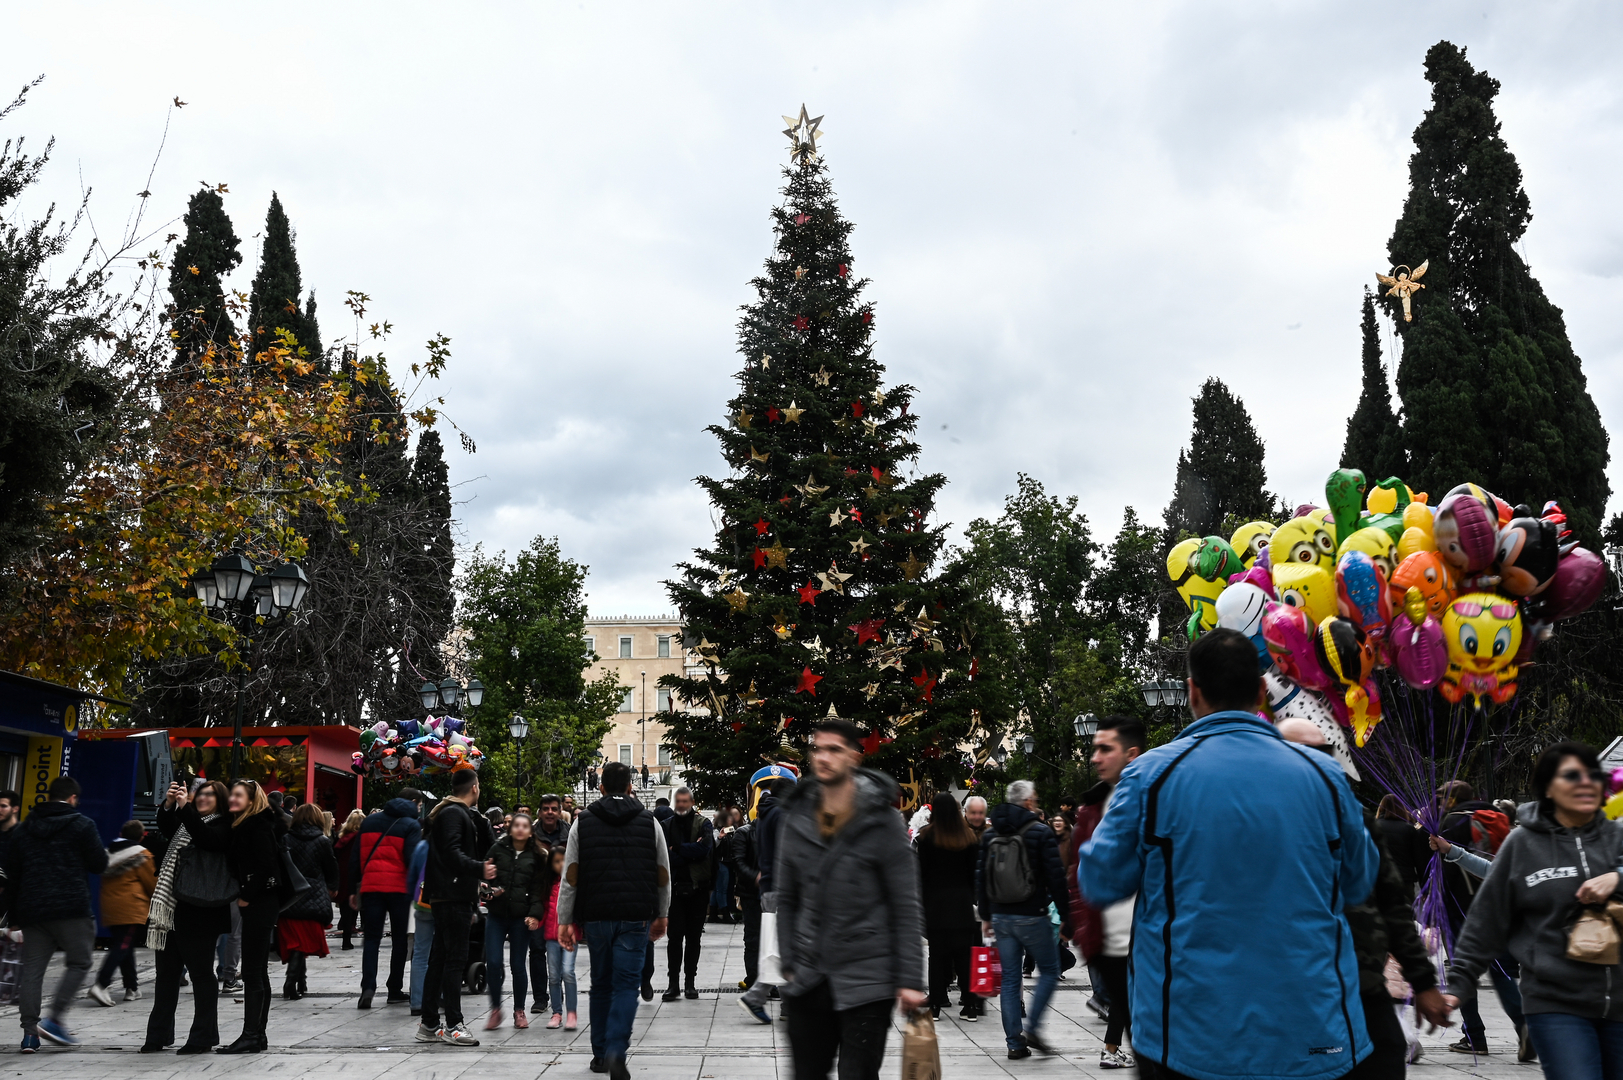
383,848
1087,929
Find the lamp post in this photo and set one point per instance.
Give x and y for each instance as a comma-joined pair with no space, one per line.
519,728
1166,693
234,591
1086,726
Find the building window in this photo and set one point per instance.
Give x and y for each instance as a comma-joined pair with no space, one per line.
591,644
663,700
625,753
664,646
625,648
625,702
664,756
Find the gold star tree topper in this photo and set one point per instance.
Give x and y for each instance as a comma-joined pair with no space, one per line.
803,132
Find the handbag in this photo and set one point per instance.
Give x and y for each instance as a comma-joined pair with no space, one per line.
203,878
1593,938
921,1053
769,969
291,886
985,971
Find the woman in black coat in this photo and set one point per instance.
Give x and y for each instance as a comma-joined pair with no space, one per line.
257,837
183,935
947,856
302,929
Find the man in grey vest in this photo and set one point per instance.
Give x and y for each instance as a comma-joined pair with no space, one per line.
617,881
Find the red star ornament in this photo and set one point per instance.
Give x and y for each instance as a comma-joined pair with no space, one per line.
974,667
801,219
808,682
772,415
867,316
925,682
867,630
856,515
801,322
759,557
856,409
738,725
842,270
873,742
808,593
761,527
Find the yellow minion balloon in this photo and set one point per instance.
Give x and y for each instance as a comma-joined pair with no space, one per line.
1307,586
1250,539
1196,591
1376,543
1302,540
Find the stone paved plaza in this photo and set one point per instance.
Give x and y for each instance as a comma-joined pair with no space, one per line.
325,1036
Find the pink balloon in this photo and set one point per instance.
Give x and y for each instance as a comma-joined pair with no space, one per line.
1466,533
1289,634
1418,651
1579,578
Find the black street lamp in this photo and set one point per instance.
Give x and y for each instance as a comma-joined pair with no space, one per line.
1166,693
1086,726
519,728
234,591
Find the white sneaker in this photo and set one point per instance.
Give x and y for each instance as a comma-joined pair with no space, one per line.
427,1034
132,995
1120,1059
99,994
457,1036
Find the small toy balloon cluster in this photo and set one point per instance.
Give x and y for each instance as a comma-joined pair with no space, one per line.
412,748
1453,596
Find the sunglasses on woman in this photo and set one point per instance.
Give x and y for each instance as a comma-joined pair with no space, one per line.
1578,776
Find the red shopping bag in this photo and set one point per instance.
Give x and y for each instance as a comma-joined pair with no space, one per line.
985,971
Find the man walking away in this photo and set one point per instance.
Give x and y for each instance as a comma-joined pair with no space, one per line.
849,924
1104,937
380,863
617,881
1243,964
126,898
1018,876
1382,926
763,842
457,841
691,839
47,865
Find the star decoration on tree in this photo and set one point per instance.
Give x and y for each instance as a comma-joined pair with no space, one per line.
808,682
912,567
738,599
761,527
791,414
823,376
777,556
833,580
784,630
773,415
926,683
884,516
759,558
742,420
871,492
803,133
808,593
856,515
766,362
867,630
835,518
756,455
856,409
871,690
872,426
859,546
800,272
707,651
816,647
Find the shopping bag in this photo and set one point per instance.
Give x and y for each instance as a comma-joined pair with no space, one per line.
769,969
1593,939
985,971
921,1054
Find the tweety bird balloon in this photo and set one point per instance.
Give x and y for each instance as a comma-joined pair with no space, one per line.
1483,632
1302,540
1196,591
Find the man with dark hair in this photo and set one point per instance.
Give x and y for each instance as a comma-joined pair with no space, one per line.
458,839
550,829
617,881
1103,936
691,838
1273,867
51,855
850,930
380,868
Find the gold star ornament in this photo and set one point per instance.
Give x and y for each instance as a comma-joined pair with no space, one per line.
738,599
791,415
803,132
911,568
777,556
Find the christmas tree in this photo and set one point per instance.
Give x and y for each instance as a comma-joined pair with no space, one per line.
1374,439
1492,390
814,599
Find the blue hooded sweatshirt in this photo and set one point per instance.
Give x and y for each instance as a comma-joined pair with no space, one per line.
1244,850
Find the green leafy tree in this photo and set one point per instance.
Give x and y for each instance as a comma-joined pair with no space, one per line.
1221,474
1126,594
1492,391
199,315
525,621
1374,437
273,302
814,594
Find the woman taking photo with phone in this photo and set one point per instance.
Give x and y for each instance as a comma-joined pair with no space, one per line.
182,932
257,836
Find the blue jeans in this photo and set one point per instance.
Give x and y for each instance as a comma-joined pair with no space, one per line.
1577,1047
422,940
718,894
498,930
1510,999
1016,936
561,973
618,949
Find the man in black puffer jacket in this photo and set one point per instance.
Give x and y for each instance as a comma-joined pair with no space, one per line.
51,853
1021,922
458,839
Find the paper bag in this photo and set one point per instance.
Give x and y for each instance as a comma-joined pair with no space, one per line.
1593,939
985,971
769,970
921,1055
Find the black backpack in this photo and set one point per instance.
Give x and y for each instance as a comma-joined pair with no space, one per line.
1010,878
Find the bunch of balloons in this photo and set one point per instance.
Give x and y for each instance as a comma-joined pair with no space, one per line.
1453,596
412,748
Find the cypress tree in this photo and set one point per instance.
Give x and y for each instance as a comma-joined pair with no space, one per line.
813,595
1492,391
198,313
430,562
1374,437
1221,474
274,302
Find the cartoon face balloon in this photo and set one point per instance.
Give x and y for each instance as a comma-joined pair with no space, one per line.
1415,643
1307,586
1347,657
1196,591
1483,632
1289,634
1302,541
1427,572
1215,560
1527,554
1240,607
1467,529
1361,595
1377,544
1251,540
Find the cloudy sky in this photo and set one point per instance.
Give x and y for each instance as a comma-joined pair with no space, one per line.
1072,214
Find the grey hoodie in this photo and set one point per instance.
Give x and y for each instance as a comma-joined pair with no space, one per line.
1528,903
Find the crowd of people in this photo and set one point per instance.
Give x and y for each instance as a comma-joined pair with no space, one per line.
1268,932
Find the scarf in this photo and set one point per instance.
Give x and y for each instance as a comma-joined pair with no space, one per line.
161,913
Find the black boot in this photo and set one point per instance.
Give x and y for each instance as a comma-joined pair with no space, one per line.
304,972
290,985
255,1013
672,992
690,991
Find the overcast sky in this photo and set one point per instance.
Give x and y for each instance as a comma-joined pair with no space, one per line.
1072,215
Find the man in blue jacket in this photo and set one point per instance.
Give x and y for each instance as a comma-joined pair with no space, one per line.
1243,963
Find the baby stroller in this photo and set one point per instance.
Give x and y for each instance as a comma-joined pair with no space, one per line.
474,977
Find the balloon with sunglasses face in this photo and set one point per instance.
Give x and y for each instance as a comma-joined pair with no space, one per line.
1483,633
